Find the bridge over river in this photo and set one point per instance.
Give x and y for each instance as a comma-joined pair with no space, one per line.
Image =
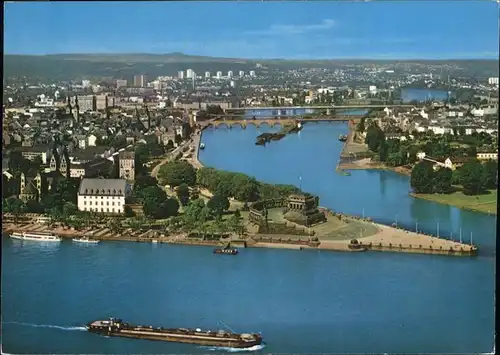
274,121
319,107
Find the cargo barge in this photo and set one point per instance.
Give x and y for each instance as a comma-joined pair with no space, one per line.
221,338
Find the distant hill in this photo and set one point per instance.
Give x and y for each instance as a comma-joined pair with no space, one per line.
79,66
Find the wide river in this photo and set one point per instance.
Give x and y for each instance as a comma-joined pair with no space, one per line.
302,302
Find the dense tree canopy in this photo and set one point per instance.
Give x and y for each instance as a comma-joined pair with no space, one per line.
183,194
218,204
240,186
176,173
473,178
374,137
422,178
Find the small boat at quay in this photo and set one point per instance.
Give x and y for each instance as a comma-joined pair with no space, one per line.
85,240
228,251
36,236
202,145
221,338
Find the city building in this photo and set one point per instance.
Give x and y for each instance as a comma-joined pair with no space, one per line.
232,84
493,81
190,74
126,160
230,74
207,74
30,187
85,103
487,156
180,74
121,83
219,75
140,81
103,195
85,83
252,73
241,73
31,153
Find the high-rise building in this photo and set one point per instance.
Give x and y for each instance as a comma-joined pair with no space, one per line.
242,73
121,83
219,75
207,74
252,73
493,81
190,73
180,74
140,81
230,74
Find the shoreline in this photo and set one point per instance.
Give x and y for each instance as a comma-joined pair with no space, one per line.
387,239
431,199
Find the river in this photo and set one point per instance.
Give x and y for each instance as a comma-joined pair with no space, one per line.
302,302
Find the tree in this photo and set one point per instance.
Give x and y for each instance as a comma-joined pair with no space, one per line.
69,209
490,171
218,204
472,178
177,172
128,212
374,137
383,150
153,199
143,181
361,125
244,188
422,176
193,213
443,180
234,224
33,206
170,207
183,194
461,130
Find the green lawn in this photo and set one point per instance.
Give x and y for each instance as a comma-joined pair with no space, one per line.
486,203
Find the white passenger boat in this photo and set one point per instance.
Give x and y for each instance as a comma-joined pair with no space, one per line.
36,236
86,240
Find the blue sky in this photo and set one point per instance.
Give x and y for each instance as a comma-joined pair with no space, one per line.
292,30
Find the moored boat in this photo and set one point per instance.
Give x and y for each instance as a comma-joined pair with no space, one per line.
229,251
36,236
202,145
221,338
86,240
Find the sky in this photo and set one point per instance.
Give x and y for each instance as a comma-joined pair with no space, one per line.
255,29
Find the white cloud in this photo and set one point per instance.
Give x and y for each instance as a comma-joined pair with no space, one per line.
285,30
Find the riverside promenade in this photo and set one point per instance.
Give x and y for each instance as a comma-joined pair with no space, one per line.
388,239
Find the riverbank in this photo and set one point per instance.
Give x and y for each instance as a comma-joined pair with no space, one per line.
486,203
385,239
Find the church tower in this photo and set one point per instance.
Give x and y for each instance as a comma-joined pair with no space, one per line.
77,111
69,109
